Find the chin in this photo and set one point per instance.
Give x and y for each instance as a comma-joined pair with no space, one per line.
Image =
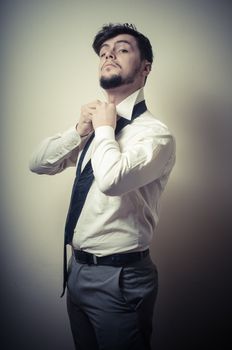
110,82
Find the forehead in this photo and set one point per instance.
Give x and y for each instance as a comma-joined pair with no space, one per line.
127,38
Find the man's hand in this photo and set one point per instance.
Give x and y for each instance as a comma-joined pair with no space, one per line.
84,126
104,114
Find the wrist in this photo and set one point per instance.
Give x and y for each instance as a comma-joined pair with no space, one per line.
101,123
81,133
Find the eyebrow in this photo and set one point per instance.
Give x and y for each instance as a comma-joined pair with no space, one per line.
116,42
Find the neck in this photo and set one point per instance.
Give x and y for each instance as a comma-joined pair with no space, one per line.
117,95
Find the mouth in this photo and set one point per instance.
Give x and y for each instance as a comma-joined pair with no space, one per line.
109,65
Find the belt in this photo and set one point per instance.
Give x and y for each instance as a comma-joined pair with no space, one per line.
120,259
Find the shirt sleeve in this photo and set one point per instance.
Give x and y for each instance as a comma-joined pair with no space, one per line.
56,153
145,158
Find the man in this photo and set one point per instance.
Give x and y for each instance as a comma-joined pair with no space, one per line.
124,157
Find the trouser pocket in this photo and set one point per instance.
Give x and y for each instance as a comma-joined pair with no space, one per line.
138,285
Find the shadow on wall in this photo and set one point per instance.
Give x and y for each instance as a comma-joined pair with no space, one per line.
192,246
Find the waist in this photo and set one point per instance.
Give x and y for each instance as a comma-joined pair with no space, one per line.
119,259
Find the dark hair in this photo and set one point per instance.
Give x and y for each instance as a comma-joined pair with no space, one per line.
111,30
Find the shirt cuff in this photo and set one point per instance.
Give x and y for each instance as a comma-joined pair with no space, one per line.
104,132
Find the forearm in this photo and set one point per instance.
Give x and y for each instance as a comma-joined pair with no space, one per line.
119,169
56,153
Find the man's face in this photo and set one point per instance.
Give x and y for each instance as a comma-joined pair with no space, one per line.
120,62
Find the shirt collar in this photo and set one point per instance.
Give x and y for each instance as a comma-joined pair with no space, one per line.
125,108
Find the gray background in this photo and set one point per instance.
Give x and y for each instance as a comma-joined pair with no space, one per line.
48,70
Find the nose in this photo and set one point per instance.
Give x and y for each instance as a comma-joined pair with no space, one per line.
110,54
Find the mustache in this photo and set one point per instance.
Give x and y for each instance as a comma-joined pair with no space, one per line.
110,64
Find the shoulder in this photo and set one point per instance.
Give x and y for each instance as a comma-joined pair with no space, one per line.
148,125
146,130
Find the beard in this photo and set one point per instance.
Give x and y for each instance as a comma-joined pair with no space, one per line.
111,82
116,80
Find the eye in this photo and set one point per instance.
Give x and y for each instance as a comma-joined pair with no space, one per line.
102,54
123,50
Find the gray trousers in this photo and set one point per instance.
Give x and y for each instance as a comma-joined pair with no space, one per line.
111,308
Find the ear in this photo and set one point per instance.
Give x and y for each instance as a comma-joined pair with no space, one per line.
147,68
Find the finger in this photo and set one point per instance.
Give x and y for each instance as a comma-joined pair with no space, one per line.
93,104
86,114
92,112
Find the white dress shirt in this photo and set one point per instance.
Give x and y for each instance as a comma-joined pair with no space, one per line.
121,210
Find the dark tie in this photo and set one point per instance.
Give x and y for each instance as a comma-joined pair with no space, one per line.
82,185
